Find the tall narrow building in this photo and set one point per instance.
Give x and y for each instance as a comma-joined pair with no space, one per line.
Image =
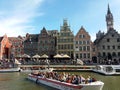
83,43
65,40
47,42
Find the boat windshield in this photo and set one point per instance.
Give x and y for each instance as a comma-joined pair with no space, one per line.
109,69
98,67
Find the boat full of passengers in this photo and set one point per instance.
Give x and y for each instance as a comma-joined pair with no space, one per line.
66,81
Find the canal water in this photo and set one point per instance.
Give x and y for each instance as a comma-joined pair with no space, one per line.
18,81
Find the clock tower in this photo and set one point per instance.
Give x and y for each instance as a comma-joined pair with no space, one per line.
109,19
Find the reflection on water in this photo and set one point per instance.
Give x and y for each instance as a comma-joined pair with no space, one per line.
18,81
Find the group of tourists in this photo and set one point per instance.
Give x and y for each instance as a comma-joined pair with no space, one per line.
66,77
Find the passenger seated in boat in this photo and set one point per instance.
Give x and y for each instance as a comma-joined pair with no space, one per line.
93,80
88,80
82,79
62,78
76,80
68,79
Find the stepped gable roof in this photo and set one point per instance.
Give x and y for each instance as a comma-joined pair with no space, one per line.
52,32
48,32
44,30
32,38
111,31
82,29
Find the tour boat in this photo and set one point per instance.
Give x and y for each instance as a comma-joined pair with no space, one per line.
97,85
15,68
107,69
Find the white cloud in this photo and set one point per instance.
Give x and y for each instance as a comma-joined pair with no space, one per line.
16,20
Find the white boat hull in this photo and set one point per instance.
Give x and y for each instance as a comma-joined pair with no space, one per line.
104,69
39,70
10,70
98,85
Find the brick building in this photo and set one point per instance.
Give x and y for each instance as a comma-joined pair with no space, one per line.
47,42
5,47
43,43
17,46
83,45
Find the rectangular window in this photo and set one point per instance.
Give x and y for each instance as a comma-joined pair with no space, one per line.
118,47
113,47
84,42
83,36
80,42
80,48
108,40
104,54
88,42
118,39
108,47
88,55
88,48
68,46
71,46
84,48
76,42
80,55
80,36
103,47
84,55
76,55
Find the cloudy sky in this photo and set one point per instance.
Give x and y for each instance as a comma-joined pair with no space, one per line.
18,17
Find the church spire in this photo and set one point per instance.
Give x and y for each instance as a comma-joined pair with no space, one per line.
109,19
108,12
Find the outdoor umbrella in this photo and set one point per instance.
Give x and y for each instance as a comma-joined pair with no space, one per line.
58,56
25,56
44,56
36,56
65,56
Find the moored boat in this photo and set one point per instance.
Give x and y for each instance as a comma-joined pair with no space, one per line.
61,85
38,70
107,69
14,68
10,69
